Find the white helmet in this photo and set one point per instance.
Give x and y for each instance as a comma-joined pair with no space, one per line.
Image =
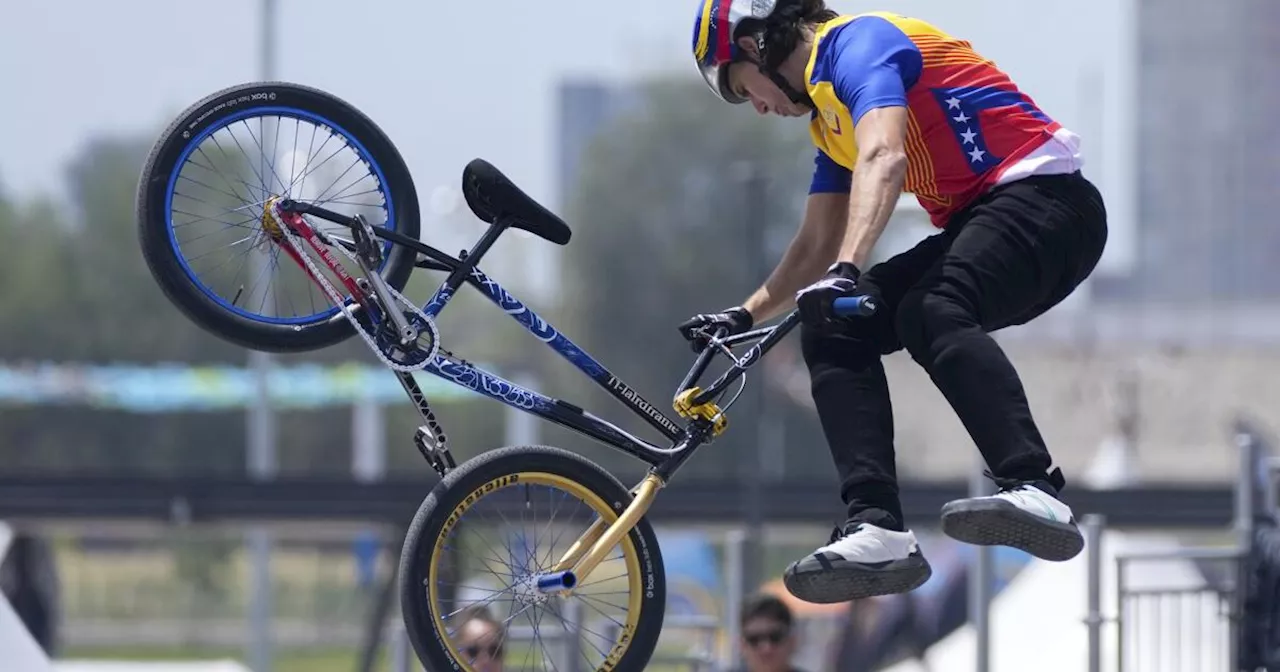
714,47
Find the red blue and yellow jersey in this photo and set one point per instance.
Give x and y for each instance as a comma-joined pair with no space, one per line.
969,126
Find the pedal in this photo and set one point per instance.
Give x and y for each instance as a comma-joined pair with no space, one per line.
366,247
439,457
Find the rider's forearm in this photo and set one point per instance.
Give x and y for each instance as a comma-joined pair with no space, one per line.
877,185
811,251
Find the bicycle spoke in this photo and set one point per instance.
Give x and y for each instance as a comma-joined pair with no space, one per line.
530,546
248,167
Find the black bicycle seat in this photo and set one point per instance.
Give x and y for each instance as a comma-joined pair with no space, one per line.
492,195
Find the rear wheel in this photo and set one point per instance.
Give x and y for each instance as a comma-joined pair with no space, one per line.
484,535
201,201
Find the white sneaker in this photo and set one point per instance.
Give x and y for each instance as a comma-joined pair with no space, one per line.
860,561
1024,515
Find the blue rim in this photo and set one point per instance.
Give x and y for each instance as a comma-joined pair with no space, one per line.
295,113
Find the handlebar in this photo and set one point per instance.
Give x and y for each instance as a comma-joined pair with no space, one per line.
848,306
860,306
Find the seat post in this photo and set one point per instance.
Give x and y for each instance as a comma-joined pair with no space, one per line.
471,258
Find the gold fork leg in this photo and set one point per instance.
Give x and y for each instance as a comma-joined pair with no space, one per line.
644,496
579,547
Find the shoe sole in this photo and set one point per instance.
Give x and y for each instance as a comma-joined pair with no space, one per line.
850,581
997,523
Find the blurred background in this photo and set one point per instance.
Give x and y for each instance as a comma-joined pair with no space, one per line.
162,501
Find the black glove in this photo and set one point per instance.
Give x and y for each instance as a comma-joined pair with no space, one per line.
815,301
698,328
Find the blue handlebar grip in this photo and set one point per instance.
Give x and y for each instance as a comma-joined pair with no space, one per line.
861,306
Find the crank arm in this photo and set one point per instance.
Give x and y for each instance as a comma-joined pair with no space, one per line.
364,240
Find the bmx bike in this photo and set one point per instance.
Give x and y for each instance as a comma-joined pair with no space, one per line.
236,160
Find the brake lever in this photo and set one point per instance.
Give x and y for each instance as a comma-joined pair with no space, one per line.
703,359
714,337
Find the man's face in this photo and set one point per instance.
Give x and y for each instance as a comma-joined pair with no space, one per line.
767,645
480,643
746,80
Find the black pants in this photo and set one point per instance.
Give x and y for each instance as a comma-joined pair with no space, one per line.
1009,257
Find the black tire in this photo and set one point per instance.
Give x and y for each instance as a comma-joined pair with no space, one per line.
162,258
461,483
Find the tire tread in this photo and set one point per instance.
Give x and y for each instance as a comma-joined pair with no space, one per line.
161,258
420,539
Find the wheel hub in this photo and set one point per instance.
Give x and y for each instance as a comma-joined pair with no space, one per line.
269,223
527,593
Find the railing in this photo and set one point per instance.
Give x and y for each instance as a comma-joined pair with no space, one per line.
1169,628
565,655
1191,622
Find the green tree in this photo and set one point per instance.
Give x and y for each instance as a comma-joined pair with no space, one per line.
75,289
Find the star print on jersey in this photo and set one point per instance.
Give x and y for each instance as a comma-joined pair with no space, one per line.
964,105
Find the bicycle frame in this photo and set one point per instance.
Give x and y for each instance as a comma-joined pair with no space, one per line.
466,270
704,419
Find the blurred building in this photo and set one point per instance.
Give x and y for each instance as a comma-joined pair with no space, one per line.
1206,154
583,107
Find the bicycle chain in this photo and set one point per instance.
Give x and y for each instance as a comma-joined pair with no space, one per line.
328,288
431,430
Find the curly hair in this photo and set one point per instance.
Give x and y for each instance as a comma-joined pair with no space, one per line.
781,32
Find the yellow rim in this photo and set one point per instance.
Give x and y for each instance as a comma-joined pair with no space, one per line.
629,554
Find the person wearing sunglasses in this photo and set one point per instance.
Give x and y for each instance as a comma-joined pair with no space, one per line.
767,641
480,639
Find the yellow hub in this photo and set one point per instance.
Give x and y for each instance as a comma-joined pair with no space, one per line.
269,223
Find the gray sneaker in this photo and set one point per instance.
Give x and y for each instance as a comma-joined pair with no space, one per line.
860,561
1026,515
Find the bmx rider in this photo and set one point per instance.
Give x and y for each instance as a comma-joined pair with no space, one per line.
896,104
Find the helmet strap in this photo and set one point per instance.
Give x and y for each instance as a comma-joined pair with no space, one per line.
797,97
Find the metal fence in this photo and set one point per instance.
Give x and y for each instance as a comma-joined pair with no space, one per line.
1192,627
1151,618
697,635
1190,615
149,589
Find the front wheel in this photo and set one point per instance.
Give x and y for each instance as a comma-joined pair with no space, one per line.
473,555
204,192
